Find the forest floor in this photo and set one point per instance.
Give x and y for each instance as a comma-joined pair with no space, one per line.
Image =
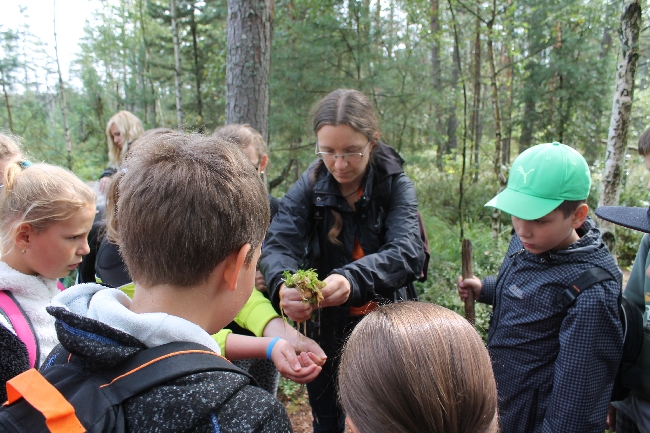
298,408
296,402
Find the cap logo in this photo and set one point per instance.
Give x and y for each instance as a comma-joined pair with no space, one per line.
520,169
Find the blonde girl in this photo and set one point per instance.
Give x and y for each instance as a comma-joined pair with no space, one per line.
46,213
121,130
413,366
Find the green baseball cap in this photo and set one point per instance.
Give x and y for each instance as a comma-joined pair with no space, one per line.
541,178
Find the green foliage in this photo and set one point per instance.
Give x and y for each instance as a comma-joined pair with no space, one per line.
307,283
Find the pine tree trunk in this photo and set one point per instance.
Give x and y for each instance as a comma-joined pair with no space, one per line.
177,66
621,108
248,63
197,69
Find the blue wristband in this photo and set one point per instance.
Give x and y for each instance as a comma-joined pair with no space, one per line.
269,348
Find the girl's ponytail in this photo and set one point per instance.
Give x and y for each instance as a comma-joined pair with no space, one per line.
11,174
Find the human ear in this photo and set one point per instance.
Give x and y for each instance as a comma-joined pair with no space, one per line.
232,266
579,215
23,235
264,160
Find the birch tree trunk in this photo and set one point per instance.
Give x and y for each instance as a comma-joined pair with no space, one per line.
66,129
177,67
248,63
621,108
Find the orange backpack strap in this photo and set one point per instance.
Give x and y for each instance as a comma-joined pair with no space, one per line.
44,397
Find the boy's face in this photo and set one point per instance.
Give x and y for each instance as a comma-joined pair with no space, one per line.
551,232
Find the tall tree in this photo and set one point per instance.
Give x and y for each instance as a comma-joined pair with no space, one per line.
66,129
249,63
621,109
177,68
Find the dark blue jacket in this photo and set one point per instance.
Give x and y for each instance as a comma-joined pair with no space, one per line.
554,368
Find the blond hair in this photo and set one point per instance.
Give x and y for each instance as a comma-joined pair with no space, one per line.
130,127
417,367
9,147
39,195
187,201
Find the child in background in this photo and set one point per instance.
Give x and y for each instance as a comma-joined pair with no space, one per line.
253,146
633,413
192,216
417,367
9,152
45,215
121,130
554,364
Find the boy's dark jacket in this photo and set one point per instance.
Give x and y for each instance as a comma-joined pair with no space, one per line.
189,404
637,291
554,369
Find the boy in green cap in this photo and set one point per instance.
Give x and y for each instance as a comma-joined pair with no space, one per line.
554,358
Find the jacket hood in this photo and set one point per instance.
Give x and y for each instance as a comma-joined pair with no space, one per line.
93,321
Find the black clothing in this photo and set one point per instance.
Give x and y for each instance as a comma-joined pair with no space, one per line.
13,359
385,222
87,265
110,267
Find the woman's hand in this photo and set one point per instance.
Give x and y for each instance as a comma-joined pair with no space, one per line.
293,306
336,292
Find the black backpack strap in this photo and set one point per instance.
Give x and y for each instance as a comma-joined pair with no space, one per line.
587,279
158,365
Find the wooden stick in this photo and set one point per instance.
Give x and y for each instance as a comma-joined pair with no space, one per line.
470,315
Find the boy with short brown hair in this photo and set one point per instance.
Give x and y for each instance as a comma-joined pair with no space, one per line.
192,215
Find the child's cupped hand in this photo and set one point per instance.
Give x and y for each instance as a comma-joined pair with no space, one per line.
302,368
465,285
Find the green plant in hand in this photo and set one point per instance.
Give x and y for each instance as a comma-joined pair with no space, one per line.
307,283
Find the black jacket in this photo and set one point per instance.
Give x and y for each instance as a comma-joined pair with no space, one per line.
385,222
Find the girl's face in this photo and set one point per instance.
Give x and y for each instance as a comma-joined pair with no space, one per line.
57,250
345,145
118,137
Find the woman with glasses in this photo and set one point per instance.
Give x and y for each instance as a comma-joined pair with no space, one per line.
352,216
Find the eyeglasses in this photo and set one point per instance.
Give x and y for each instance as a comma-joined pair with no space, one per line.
349,157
